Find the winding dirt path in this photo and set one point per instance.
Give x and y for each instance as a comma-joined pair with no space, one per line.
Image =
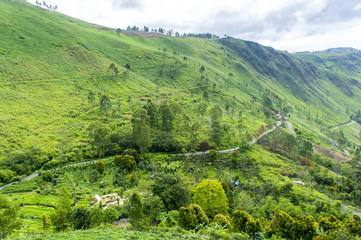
50,170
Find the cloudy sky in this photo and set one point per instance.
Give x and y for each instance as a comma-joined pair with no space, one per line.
292,25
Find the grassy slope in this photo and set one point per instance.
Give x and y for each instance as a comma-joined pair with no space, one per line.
45,77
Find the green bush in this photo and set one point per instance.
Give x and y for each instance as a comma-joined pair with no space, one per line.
213,146
110,215
80,218
192,216
47,176
209,194
172,190
132,152
125,162
213,154
6,175
224,221
244,222
100,167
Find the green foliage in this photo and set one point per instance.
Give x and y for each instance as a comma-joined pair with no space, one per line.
46,222
96,217
80,218
100,167
224,221
213,146
353,225
192,216
125,162
141,130
152,206
47,176
172,189
209,194
132,152
135,209
99,134
153,113
306,149
216,113
91,97
281,224
329,223
110,215
9,217
244,222
167,116
105,104
60,217
303,227
213,154
6,175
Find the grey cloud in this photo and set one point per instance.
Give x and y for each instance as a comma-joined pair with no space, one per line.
335,11
274,25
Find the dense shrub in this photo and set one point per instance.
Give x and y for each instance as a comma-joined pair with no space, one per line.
172,190
166,144
100,167
47,176
192,216
224,221
209,194
132,152
135,209
213,146
329,223
80,218
96,216
244,222
110,215
125,162
6,175
213,154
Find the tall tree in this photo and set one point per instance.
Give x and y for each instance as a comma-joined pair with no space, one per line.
152,110
60,217
216,113
166,116
105,104
91,97
141,130
9,217
99,134
135,209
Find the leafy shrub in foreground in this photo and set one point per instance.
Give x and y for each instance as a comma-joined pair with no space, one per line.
192,216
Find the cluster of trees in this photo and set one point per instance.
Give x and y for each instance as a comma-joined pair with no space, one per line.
38,3
171,32
357,117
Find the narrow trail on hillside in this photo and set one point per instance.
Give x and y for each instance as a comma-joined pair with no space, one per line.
254,140
342,125
50,170
289,124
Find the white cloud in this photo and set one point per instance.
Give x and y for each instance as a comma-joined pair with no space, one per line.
292,25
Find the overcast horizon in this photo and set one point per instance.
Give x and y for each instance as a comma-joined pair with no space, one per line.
284,25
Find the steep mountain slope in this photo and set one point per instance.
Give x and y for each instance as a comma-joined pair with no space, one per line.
49,62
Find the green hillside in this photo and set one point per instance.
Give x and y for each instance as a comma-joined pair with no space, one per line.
72,91
46,71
